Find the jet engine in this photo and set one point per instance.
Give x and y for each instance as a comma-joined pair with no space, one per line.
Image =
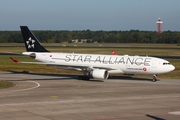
100,74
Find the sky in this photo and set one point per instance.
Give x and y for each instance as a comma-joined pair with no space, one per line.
89,14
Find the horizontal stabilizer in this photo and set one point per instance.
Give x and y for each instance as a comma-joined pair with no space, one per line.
13,59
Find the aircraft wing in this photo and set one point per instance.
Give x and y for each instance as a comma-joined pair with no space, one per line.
70,67
80,67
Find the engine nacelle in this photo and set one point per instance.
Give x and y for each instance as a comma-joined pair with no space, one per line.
100,74
30,54
33,55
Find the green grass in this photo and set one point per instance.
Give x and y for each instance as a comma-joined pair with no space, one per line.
5,84
101,48
131,49
8,65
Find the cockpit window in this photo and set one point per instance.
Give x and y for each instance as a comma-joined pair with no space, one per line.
166,64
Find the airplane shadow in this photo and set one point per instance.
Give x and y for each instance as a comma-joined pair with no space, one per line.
154,117
75,77
130,78
58,76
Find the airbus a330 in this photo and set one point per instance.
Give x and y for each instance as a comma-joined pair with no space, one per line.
93,65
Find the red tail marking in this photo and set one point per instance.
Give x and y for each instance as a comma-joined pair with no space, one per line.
14,60
113,52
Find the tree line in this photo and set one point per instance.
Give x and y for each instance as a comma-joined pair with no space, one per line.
132,36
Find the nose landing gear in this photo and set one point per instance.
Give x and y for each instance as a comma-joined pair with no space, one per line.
154,78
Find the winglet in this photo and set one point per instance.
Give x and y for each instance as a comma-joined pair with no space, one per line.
113,52
14,60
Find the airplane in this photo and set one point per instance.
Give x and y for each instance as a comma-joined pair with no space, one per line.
93,65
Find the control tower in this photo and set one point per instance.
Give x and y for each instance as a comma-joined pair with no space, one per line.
159,26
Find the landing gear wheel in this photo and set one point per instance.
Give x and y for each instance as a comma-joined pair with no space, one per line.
154,80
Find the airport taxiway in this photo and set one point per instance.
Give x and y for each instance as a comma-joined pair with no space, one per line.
61,97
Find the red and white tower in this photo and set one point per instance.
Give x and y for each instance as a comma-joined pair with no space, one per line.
159,26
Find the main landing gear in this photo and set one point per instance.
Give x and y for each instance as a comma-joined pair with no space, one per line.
86,76
83,77
154,78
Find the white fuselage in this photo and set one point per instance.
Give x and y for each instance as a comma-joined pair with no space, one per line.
112,63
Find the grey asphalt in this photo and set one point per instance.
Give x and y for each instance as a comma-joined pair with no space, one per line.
62,97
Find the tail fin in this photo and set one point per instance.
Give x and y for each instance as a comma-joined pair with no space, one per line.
31,42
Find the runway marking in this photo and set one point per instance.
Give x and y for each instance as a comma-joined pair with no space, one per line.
53,96
88,100
78,85
175,113
23,76
38,85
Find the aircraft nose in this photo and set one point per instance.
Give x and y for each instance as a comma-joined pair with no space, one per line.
172,67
